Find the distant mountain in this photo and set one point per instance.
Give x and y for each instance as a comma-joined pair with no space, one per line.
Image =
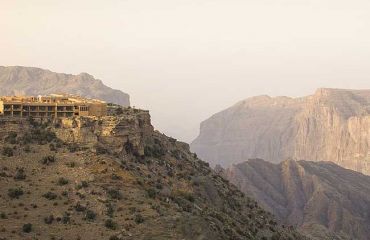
332,124
320,198
34,81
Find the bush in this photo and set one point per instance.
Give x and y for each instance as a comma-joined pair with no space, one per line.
90,215
48,159
15,193
50,196
83,184
110,224
155,150
27,148
152,193
66,218
110,210
114,194
8,152
49,219
62,181
116,177
20,174
3,215
139,218
27,228
73,147
11,138
38,135
100,150
80,208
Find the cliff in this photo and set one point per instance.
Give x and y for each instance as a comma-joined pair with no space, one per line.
321,199
35,81
331,125
116,178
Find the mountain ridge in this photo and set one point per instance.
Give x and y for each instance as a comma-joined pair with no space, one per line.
330,125
321,199
19,80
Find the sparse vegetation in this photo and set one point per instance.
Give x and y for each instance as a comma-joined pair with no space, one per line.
48,160
139,218
27,228
8,152
20,174
62,181
11,138
15,193
82,184
50,196
49,219
110,224
114,194
90,215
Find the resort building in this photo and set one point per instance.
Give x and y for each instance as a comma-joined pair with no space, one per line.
52,106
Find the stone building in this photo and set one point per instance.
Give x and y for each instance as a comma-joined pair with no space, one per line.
52,106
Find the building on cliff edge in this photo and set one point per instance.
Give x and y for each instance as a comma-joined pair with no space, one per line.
51,106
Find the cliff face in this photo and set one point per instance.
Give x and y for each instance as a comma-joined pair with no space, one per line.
320,198
35,81
331,125
116,178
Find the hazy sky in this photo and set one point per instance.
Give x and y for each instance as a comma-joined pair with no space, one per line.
187,59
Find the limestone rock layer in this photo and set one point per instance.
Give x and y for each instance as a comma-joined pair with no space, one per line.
331,125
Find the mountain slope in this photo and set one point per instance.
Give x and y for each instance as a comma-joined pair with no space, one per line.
35,81
116,178
320,198
332,124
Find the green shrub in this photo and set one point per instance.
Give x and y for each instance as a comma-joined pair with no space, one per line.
66,218
155,150
73,147
49,219
110,210
110,224
82,184
71,164
48,159
152,193
27,228
90,215
8,152
100,150
116,177
79,207
139,218
62,181
20,174
50,196
15,192
11,138
114,194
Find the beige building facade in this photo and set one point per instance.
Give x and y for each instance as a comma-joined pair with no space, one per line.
52,106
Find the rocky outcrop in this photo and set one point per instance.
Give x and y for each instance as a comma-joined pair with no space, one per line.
35,81
331,125
320,198
113,132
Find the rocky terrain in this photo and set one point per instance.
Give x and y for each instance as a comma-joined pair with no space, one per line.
116,178
321,199
35,81
331,125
